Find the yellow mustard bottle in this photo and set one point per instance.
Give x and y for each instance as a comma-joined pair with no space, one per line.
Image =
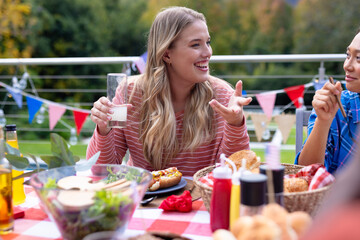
18,187
235,198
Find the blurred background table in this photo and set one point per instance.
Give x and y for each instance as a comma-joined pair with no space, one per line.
194,225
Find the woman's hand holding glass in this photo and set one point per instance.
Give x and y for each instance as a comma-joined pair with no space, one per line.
233,114
100,114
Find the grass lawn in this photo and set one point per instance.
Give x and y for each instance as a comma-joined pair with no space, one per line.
44,148
287,156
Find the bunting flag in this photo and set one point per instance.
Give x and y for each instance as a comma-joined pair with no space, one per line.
246,115
141,62
319,84
260,121
285,122
296,94
16,94
55,113
33,107
79,117
267,102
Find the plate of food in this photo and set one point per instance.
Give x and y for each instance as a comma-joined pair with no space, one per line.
165,181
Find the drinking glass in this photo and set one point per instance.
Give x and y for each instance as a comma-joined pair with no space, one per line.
117,94
6,208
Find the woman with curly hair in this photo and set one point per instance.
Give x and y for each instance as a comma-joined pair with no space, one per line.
180,116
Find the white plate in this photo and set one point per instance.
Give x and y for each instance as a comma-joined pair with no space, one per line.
180,185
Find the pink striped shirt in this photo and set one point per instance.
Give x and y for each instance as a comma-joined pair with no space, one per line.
228,139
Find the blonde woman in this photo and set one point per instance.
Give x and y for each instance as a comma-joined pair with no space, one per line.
180,115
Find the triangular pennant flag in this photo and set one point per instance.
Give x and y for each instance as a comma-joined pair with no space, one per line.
79,118
296,94
285,122
55,113
33,107
260,122
246,115
267,102
16,94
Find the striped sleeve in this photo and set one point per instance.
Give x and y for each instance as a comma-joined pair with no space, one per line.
112,147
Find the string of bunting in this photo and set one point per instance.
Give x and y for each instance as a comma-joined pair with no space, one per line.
266,100
56,110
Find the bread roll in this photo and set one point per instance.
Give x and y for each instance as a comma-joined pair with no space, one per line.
300,221
256,228
252,161
222,234
279,215
295,185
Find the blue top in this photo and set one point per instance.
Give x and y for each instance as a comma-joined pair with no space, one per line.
339,147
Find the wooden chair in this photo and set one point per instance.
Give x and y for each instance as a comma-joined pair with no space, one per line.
302,118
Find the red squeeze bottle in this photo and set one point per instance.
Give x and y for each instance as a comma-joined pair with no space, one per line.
220,198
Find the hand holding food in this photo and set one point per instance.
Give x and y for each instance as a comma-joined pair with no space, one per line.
165,178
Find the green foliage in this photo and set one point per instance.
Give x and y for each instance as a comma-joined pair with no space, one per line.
62,156
325,26
14,22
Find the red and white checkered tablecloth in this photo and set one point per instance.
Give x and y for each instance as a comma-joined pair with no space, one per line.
36,224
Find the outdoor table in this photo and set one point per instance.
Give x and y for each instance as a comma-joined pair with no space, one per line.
37,225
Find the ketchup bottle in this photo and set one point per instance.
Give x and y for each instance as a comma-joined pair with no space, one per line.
220,198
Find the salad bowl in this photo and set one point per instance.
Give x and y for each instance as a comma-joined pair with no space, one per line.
83,202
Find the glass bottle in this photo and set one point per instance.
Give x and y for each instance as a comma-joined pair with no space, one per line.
253,187
6,209
18,187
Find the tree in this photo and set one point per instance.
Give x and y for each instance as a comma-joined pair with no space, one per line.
82,28
14,23
324,26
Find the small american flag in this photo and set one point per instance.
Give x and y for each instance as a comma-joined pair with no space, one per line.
272,155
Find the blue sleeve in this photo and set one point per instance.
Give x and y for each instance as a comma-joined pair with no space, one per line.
332,141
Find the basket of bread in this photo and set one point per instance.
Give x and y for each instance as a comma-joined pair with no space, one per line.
299,194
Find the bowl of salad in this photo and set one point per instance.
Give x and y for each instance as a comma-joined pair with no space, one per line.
83,202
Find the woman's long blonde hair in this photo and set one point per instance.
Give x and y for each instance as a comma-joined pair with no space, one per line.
157,117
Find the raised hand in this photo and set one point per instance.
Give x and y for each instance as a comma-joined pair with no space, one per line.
324,101
233,113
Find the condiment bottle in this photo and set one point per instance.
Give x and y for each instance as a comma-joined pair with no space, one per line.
278,182
253,187
235,197
6,209
235,192
18,187
220,198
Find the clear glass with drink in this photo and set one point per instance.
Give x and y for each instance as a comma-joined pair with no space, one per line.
117,94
